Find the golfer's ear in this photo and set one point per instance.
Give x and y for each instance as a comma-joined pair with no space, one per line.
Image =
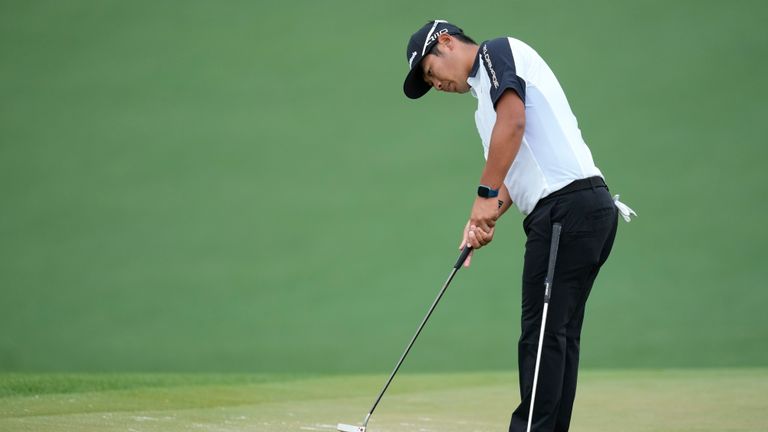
446,40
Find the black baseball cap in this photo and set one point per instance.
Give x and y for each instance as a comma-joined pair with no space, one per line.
419,45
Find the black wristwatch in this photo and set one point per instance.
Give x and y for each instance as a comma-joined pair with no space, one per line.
486,192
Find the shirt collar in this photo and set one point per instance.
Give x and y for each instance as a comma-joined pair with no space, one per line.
472,78
475,65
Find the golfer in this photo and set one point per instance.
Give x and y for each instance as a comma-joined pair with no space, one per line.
537,160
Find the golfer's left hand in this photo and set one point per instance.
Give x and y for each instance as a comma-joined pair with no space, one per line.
479,231
485,211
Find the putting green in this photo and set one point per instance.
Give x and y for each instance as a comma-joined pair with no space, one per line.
648,400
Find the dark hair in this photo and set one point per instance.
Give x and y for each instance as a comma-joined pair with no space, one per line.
461,37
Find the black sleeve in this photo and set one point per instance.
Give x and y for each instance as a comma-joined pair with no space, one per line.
500,66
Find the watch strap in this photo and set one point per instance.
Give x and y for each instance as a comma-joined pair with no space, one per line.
486,192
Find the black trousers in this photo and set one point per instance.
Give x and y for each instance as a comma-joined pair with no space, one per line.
589,219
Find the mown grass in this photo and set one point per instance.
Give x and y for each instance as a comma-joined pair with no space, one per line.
693,400
28,384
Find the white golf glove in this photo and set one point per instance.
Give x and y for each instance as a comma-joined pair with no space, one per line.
624,209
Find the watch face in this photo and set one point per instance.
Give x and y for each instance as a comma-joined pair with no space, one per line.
486,192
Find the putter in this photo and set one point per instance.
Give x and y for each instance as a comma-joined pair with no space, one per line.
351,428
556,228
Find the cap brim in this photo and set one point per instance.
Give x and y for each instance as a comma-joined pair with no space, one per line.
414,86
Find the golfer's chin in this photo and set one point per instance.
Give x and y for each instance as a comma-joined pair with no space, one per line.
452,87
461,89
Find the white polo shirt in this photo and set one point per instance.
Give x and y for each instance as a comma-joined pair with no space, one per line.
552,153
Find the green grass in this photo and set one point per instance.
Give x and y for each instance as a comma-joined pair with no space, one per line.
22,384
203,186
695,400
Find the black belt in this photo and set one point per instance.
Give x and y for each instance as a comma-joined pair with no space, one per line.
586,183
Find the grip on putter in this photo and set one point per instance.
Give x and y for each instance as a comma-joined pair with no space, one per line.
556,229
467,249
464,254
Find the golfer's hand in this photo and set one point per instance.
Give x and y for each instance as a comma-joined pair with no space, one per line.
485,211
476,238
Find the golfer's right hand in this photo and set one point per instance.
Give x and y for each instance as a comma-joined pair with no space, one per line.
464,240
475,237
472,240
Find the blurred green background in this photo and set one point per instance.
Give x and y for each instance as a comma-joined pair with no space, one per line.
229,186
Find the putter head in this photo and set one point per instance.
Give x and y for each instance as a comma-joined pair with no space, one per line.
349,428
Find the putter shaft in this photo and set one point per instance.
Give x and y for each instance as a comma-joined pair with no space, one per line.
462,257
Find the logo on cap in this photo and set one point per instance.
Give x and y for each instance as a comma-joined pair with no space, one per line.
436,35
410,60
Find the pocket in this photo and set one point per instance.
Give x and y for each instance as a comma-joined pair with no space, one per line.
578,214
602,213
540,219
